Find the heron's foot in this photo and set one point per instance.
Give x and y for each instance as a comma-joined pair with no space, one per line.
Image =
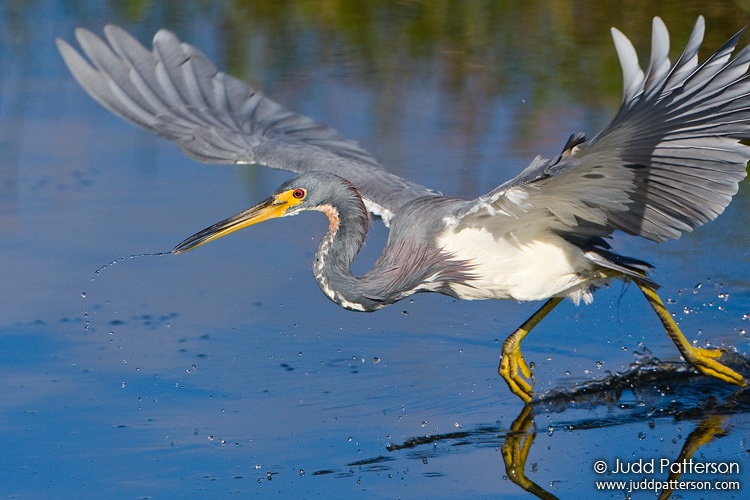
705,361
513,367
516,372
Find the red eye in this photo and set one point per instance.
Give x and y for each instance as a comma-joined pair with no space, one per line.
299,193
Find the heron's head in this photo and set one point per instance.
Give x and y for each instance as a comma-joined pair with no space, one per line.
311,191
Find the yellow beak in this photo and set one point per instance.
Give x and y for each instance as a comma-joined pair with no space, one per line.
273,207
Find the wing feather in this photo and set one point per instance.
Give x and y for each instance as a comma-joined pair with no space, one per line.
177,93
669,161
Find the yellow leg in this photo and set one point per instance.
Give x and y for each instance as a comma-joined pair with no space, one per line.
704,360
706,431
515,452
513,367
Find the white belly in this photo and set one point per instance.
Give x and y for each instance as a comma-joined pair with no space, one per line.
507,267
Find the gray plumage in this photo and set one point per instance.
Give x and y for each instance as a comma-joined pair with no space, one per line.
668,162
409,263
177,93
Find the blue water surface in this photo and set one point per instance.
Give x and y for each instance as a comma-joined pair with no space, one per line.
225,372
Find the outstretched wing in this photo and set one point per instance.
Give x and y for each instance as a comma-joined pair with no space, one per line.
670,160
177,93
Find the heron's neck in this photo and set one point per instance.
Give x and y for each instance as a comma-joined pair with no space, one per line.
405,266
348,222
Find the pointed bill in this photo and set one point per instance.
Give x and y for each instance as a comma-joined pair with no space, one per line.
271,208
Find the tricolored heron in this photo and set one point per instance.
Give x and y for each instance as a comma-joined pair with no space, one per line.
668,162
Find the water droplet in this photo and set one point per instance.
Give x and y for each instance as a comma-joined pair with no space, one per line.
599,364
376,360
641,436
424,423
83,295
697,287
302,472
550,430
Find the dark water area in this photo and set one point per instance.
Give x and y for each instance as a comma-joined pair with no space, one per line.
226,372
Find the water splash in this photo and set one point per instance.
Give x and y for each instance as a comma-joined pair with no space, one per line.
649,379
99,271
121,259
631,397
